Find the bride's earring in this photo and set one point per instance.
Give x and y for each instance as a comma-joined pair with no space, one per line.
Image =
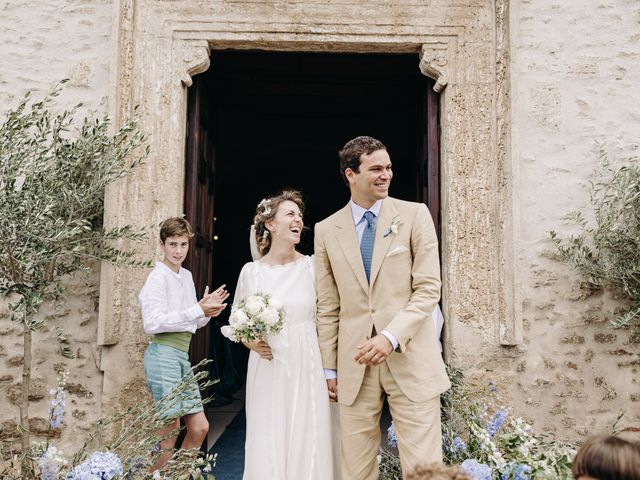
265,234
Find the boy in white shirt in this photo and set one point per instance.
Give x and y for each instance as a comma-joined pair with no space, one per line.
172,313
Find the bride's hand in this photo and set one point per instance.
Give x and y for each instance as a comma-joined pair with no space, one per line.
261,348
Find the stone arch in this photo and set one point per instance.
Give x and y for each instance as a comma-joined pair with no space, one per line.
159,46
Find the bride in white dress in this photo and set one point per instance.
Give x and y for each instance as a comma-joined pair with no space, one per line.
289,425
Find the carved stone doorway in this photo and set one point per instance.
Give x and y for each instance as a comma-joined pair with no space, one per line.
263,121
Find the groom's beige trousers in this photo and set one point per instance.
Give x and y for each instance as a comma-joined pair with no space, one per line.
417,426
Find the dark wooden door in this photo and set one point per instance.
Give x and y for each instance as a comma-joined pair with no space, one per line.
430,168
199,202
258,121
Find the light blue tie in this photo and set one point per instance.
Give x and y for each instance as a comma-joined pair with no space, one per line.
366,243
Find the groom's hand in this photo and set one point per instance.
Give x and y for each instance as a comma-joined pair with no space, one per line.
332,386
374,351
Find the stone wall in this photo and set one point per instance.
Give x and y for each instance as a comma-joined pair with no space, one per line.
77,318
574,82
42,43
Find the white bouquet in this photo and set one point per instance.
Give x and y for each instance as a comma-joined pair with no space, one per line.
254,318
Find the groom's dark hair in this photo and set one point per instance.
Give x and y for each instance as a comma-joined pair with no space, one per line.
354,149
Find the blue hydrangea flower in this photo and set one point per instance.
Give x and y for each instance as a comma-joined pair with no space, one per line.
517,471
476,470
496,422
392,440
99,466
459,445
50,463
48,472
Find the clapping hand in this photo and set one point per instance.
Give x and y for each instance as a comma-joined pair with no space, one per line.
212,304
219,295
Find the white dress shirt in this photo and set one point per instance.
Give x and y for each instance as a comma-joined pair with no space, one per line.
358,216
169,303
360,222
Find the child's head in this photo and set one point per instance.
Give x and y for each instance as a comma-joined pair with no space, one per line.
175,227
175,233
606,457
436,471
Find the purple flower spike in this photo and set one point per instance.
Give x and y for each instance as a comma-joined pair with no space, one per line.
496,421
459,445
56,408
392,440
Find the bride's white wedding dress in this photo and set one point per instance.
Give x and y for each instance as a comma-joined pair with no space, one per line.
289,423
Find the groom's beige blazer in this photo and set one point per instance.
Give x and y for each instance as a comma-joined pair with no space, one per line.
402,293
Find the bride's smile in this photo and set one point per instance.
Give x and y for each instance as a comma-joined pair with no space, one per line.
287,223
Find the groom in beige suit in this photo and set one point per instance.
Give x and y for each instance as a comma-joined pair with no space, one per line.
378,279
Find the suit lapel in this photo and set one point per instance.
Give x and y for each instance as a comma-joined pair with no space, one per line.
381,244
348,240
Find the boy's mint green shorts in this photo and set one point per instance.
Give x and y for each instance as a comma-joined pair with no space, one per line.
165,367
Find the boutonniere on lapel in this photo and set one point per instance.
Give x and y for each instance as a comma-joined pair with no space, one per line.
394,227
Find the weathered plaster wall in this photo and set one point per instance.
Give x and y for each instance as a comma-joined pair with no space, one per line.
574,82
40,44
44,42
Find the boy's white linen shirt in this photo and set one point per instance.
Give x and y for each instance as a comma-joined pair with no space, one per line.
168,302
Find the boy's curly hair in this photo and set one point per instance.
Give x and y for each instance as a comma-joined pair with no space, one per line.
175,227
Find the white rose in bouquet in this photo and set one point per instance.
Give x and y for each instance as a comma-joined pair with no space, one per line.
277,304
238,318
254,304
270,316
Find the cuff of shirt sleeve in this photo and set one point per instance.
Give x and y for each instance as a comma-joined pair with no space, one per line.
330,374
198,312
391,338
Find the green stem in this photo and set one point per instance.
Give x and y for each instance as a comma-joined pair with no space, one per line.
26,383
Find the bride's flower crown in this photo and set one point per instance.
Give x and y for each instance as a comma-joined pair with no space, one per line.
264,206
264,209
